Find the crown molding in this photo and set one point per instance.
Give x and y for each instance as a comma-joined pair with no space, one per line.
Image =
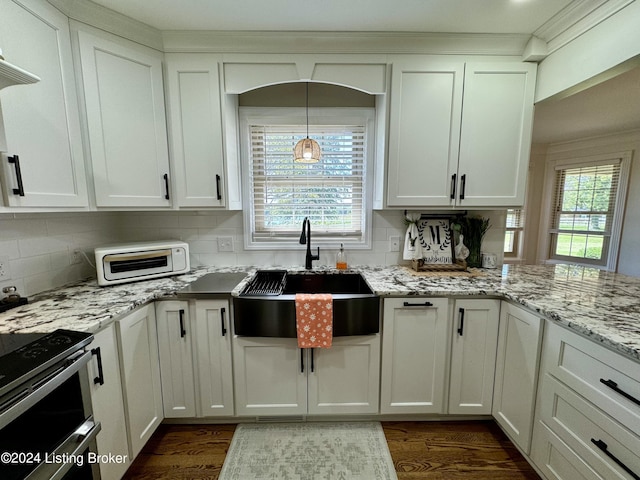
106,19
344,42
575,19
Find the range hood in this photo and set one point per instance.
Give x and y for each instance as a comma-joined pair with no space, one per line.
12,75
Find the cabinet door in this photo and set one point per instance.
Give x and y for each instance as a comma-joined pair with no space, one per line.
424,132
108,403
126,122
345,378
140,371
495,138
414,355
212,343
473,356
196,129
175,334
516,378
41,121
270,376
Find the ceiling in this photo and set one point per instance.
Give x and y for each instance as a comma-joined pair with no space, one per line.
471,16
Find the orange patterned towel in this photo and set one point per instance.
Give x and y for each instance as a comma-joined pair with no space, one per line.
314,320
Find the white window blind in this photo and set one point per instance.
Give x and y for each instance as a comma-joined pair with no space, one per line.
583,217
330,192
514,226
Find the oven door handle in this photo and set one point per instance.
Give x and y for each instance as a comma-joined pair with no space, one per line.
45,384
71,448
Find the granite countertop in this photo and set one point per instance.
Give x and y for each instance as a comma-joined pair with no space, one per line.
601,305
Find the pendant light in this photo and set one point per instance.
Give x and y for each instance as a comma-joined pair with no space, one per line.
307,150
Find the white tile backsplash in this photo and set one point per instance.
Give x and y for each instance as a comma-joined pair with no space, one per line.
40,245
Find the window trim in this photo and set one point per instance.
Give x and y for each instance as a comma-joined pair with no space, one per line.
317,116
545,241
518,238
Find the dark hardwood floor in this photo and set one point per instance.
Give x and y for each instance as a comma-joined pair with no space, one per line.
420,450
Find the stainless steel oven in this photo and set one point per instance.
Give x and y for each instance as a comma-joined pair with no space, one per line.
47,430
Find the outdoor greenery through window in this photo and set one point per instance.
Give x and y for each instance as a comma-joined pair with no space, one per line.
331,192
582,221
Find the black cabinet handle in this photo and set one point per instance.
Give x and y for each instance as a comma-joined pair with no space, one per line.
460,321
425,304
302,360
463,185
453,186
166,186
183,332
100,378
603,446
312,365
16,164
218,187
222,312
614,386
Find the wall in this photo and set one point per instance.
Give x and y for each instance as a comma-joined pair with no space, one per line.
39,246
628,258
202,229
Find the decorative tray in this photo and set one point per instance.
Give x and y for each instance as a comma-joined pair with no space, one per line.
420,266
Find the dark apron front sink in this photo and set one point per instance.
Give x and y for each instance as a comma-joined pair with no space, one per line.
356,309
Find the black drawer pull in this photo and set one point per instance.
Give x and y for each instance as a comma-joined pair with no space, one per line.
100,378
603,446
463,185
166,186
183,332
302,360
453,186
312,365
222,312
614,386
461,321
16,164
425,304
218,187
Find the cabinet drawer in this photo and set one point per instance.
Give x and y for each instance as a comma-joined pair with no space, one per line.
607,446
555,459
605,378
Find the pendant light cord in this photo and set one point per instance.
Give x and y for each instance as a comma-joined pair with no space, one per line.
307,109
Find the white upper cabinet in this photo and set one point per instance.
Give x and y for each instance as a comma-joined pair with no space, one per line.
459,134
43,165
126,121
204,178
424,131
495,140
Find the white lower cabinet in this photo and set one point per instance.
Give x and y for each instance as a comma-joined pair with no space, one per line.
473,356
514,393
195,358
176,359
274,377
414,355
588,404
108,406
212,357
140,372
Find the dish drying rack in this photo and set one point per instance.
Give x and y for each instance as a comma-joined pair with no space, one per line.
266,282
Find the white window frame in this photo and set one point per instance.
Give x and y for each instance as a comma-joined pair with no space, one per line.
545,242
297,116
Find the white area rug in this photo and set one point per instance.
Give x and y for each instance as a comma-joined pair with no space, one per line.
309,451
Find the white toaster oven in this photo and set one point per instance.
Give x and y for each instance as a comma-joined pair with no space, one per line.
140,261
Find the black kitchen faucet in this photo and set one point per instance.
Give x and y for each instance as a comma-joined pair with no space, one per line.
305,237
